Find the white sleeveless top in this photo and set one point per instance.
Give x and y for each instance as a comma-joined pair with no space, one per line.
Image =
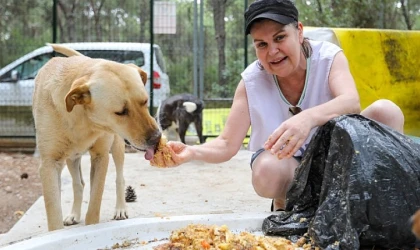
267,106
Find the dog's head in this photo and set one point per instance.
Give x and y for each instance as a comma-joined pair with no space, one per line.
164,119
115,99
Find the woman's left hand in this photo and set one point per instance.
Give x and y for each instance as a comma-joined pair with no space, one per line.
289,136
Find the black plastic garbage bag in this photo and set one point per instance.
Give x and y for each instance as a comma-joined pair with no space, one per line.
357,185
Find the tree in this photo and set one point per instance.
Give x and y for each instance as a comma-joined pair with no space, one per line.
219,12
68,10
384,14
96,7
406,15
20,23
26,24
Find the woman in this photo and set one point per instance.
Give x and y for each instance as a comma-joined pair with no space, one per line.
294,86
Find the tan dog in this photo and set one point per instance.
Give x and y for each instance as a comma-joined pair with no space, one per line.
82,104
415,224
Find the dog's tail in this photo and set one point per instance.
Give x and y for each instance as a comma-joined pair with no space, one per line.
189,106
64,50
158,112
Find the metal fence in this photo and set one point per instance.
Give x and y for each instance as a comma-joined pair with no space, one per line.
182,29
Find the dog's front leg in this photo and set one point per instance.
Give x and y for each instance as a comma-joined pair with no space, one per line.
118,150
99,168
198,123
50,173
75,170
182,129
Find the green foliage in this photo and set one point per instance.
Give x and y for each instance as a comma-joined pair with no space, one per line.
26,25
384,14
179,77
20,23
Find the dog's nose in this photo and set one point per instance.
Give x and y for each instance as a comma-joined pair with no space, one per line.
154,138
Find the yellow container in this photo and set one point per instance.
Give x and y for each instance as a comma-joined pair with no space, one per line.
385,65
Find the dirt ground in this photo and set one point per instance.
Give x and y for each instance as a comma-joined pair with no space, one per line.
20,187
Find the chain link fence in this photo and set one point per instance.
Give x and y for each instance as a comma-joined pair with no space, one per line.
193,55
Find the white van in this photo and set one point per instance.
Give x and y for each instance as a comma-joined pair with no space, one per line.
17,79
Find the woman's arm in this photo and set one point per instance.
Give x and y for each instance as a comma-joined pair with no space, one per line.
291,134
223,147
343,88
228,143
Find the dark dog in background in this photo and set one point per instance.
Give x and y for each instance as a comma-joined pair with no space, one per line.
180,111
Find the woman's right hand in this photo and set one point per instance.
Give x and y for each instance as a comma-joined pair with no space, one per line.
172,155
286,140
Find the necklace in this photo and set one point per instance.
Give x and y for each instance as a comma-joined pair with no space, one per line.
302,96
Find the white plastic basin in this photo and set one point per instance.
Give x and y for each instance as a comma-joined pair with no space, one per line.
138,233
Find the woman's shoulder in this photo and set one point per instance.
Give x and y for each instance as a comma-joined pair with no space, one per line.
322,44
253,69
256,75
323,49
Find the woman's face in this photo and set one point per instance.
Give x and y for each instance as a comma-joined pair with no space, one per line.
278,46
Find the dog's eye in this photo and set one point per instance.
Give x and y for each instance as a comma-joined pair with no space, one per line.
123,112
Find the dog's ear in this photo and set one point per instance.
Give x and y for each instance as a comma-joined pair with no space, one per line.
78,94
142,73
143,76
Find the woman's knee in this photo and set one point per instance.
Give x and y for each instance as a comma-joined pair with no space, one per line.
386,112
270,176
263,178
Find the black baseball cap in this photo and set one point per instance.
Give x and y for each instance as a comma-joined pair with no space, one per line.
281,11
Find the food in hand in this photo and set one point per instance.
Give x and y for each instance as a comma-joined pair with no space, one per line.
162,156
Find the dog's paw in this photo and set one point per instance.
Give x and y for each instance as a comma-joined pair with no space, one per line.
120,214
71,219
